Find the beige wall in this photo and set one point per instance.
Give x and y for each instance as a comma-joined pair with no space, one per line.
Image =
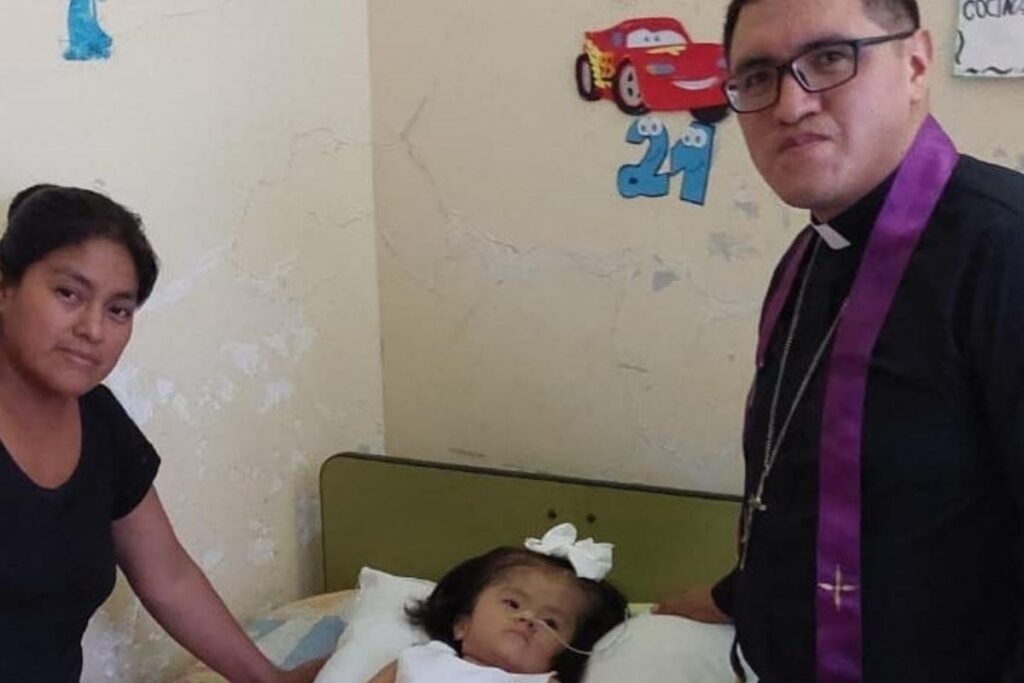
531,317
240,131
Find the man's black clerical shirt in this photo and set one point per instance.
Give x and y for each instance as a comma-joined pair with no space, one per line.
942,464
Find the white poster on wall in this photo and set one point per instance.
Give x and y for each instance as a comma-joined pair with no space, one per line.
990,41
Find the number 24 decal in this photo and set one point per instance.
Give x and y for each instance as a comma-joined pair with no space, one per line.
690,156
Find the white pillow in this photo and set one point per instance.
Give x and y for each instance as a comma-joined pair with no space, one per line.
378,628
653,648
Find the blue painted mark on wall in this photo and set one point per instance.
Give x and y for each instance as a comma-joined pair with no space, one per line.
86,39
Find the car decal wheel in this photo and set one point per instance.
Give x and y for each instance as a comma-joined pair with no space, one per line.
585,79
626,89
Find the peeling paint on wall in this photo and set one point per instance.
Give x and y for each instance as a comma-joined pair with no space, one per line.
663,279
125,383
745,204
246,357
262,548
728,246
211,558
308,515
275,393
176,290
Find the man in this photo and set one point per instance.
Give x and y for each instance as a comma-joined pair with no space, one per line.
884,437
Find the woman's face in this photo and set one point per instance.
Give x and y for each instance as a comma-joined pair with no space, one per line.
66,322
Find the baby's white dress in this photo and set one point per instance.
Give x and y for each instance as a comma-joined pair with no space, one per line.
437,662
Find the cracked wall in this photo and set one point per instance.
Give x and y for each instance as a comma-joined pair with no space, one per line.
531,317
241,132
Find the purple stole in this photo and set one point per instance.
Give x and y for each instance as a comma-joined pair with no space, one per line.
916,190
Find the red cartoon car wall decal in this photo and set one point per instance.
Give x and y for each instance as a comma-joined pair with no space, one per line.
652,64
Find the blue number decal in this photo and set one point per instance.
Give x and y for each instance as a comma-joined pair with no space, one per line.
86,40
643,179
691,156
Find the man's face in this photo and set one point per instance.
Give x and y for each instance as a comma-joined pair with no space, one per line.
823,151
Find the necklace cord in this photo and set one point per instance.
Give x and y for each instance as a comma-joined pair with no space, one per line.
773,440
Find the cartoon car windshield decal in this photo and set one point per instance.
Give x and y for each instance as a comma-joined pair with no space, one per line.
642,38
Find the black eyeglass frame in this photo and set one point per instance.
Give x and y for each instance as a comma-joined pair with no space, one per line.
787,67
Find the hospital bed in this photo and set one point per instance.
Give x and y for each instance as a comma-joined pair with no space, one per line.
416,518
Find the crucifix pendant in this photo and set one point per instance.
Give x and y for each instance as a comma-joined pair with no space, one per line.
754,504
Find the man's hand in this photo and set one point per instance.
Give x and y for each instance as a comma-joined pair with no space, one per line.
693,603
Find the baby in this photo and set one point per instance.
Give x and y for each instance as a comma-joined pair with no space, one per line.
514,615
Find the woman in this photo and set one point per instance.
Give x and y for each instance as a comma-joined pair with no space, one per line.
76,493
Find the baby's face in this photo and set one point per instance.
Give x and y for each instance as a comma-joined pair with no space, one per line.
504,629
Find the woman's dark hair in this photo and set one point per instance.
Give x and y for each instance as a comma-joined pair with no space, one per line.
44,218
456,593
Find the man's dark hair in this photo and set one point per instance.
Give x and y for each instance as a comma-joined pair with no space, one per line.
456,593
44,218
893,14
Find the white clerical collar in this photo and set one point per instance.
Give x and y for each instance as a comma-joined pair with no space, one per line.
832,237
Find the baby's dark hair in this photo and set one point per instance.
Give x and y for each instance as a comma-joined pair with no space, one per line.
456,593
45,218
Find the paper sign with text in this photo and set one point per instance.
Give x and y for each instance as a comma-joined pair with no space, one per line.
990,40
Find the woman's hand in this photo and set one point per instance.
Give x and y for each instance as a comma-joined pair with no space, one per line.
304,673
386,675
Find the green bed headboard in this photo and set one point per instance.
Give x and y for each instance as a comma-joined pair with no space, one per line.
419,518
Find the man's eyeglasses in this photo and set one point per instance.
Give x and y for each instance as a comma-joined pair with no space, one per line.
820,67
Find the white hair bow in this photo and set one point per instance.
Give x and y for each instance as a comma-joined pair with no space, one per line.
590,560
